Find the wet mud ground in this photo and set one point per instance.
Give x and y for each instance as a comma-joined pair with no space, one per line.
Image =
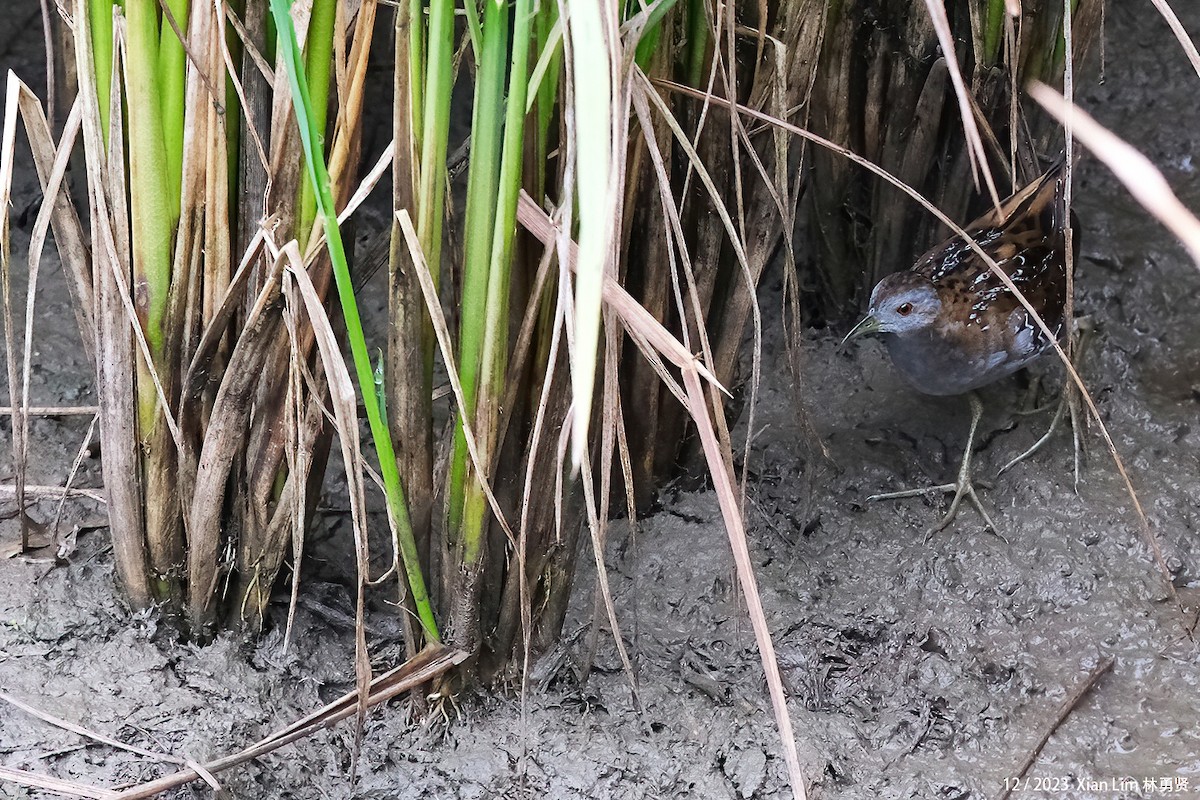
916,668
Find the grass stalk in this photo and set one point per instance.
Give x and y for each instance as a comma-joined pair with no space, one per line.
697,41
319,177
152,217
406,379
482,186
415,28
495,342
993,33
549,35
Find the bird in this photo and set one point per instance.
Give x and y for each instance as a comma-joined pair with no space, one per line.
951,325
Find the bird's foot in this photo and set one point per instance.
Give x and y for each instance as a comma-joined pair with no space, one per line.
964,487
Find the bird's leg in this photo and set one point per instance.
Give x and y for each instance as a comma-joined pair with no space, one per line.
1069,402
963,487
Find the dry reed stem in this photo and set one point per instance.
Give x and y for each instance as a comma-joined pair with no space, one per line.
720,467
51,210
1143,180
19,424
1185,41
737,239
50,163
39,492
298,463
760,246
113,336
64,220
637,319
79,456
407,387
1069,183
222,440
54,411
235,78
69,788
342,396
85,732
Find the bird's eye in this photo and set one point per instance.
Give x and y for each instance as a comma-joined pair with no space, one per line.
904,309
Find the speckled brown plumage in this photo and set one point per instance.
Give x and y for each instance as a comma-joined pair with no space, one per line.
950,323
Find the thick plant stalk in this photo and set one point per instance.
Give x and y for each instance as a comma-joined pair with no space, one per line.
407,382
150,213
221,445
493,368
482,183
318,65
152,231
100,38
114,342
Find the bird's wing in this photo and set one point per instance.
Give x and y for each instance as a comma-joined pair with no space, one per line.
1026,239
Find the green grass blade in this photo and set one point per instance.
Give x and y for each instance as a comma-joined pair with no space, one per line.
172,73
651,32
435,129
100,18
993,33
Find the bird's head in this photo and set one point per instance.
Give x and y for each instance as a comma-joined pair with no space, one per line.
903,302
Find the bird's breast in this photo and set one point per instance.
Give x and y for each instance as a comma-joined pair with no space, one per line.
954,360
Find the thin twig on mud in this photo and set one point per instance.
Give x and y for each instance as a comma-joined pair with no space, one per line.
1063,712
428,664
53,411
82,731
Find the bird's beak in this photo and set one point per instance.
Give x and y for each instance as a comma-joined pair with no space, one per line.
868,325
